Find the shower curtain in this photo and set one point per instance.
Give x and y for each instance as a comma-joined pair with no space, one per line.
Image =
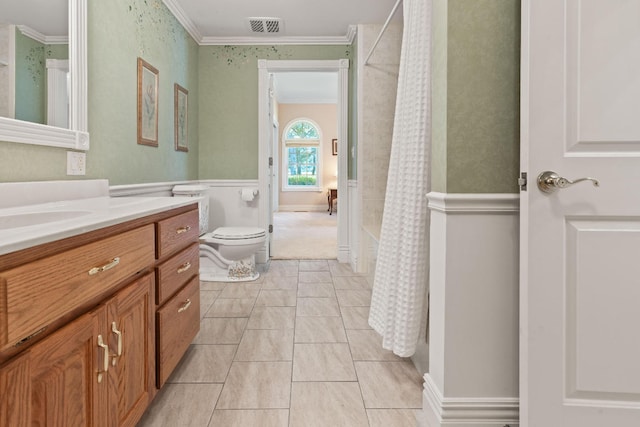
402,263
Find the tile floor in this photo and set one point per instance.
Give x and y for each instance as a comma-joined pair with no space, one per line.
291,349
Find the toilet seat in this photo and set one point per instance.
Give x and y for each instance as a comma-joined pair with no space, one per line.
235,236
235,233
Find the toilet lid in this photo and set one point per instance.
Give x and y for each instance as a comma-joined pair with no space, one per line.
236,233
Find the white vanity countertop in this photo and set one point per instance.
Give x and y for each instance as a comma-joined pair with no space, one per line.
22,227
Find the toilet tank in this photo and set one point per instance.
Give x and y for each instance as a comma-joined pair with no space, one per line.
199,191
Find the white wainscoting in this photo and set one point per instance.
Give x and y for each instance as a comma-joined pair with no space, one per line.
354,225
473,322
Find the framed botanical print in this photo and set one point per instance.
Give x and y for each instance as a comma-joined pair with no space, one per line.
147,104
180,117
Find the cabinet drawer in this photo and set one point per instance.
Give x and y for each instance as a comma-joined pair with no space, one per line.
36,294
175,272
177,232
178,322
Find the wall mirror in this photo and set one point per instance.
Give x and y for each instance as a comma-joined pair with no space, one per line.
68,90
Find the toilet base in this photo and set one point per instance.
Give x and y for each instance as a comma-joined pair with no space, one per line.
238,271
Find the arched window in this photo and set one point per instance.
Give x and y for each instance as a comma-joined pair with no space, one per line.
301,156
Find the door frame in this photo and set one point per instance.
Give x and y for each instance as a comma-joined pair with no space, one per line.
341,67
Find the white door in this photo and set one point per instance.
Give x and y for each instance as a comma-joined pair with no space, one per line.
580,246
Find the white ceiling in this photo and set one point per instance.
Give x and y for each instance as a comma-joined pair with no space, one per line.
306,88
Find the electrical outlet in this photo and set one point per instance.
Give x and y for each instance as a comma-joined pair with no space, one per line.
76,163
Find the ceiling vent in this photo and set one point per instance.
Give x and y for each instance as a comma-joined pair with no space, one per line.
265,25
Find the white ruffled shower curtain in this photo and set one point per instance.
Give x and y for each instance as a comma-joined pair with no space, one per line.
403,255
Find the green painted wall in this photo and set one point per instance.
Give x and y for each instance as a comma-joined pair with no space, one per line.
476,96
228,104
120,32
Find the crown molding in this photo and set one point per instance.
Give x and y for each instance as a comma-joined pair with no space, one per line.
39,37
179,13
347,39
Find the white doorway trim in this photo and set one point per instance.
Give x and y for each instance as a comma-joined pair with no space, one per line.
341,66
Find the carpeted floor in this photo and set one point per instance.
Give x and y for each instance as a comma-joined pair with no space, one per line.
304,235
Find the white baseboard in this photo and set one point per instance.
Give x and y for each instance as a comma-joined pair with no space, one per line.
303,208
440,411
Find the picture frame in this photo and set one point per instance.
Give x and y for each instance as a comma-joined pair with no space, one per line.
147,104
334,147
180,117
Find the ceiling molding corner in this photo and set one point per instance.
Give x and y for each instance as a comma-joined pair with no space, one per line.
184,20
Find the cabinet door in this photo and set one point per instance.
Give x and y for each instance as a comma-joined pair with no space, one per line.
131,334
59,381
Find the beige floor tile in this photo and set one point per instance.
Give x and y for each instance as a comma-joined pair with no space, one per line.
323,362
182,405
319,330
204,364
259,345
367,345
351,282
313,265
391,417
276,298
250,418
212,286
215,330
340,269
322,404
321,290
272,318
390,384
241,290
289,283
257,385
355,317
240,307
314,277
353,298
317,307
206,300
282,268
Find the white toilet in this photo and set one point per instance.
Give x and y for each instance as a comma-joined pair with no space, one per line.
227,254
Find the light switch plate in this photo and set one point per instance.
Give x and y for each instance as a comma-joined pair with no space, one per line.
76,163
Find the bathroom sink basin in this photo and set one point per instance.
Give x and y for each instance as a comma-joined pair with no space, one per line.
35,218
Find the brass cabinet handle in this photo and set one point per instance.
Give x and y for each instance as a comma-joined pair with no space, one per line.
108,266
186,305
105,349
183,229
118,334
184,267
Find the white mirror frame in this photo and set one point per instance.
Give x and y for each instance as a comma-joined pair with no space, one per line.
77,136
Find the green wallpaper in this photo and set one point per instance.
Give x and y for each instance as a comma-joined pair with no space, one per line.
439,98
31,76
228,104
478,116
119,32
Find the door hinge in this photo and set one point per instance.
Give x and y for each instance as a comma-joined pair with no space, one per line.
522,181
270,228
270,161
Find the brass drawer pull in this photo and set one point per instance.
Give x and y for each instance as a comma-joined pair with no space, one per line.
118,334
184,267
104,348
108,266
183,229
186,305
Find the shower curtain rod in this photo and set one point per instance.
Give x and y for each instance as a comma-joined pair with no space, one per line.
384,28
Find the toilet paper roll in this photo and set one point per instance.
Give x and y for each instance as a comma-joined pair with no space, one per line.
248,194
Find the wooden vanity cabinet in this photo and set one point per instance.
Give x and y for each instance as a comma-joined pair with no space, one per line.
90,357
97,370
